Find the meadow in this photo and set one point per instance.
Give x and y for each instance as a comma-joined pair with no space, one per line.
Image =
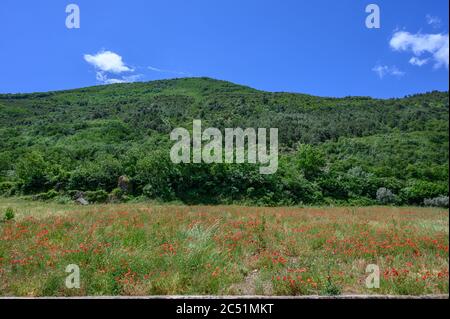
148,249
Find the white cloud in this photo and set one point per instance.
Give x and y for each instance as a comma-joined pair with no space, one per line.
435,45
133,77
109,68
433,21
417,61
107,61
102,77
384,70
151,68
394,71
155,69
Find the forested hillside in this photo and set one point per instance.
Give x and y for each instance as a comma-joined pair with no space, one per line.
355,150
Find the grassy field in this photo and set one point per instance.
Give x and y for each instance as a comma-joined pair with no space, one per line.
143,249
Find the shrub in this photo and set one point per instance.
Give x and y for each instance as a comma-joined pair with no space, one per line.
361,201
440,201
7,188
32,170
418,191
118,195
358,182
99,174
99,196
385,196
310,161
334,186
9,214
331,289
75,194
63,200
46,196
154,175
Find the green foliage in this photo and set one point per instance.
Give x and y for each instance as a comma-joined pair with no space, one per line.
99,196
9,214
310,161
331,150
331,289
46,196
7,188
418,191
118,195
32,170
99,174
154,176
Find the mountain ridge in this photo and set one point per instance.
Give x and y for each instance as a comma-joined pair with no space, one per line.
193,79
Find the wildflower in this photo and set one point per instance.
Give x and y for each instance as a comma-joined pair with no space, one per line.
216,272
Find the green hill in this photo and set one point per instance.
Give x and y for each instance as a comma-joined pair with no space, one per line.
332,149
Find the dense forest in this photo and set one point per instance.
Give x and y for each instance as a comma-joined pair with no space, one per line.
112,143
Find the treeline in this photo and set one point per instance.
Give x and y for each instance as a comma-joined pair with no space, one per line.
354,150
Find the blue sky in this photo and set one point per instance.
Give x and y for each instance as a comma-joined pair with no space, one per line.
319,47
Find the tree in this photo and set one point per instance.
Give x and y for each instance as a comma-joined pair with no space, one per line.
310,161
385,196
32,171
